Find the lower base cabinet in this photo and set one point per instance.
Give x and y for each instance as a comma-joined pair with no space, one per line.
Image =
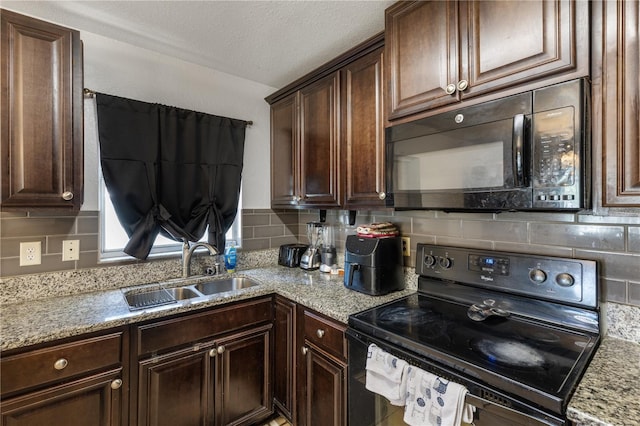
322,373
324,398
93,401
80,382
216,370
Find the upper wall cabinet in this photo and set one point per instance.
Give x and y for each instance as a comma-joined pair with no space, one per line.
327,144
363,153
41,141
304,146
616,94
440,52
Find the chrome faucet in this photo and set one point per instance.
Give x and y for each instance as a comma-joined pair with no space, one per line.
187,252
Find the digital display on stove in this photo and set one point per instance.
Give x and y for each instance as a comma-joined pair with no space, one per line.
491,264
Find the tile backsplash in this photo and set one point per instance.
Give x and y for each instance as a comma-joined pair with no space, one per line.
614,241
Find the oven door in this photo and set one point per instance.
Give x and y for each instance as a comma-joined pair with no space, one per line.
474,158
366,408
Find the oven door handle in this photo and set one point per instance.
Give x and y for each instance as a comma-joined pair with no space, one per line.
513,416
519,122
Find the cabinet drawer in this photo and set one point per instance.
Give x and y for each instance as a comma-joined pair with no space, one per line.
161,335
41,366
326,334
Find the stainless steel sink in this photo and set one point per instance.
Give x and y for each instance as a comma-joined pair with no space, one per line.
182,293
148,299
223,285
144,299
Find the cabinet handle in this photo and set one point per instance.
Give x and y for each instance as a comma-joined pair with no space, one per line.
462,85
213,353
221,350
67,195
116,384
304,350
320,333
450,89
382,195
60,364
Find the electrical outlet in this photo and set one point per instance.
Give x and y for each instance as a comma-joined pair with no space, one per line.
30,253
406,246
70,250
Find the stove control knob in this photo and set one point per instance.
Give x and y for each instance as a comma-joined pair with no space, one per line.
538,276
565,280
445,262
429,260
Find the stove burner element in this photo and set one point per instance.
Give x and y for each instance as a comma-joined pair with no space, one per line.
403,315
509,353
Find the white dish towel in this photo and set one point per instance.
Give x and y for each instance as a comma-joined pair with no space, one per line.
432,400
386,375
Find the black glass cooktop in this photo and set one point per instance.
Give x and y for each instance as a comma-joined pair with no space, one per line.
525,352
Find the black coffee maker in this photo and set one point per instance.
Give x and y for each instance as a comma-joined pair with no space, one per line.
373,266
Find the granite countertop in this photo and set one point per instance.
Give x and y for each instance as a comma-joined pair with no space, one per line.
44,320
609,392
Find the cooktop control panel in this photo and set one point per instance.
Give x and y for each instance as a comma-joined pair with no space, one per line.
559,279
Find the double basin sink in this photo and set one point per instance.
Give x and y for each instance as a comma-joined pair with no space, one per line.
150,298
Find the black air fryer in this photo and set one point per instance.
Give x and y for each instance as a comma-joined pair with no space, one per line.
373,265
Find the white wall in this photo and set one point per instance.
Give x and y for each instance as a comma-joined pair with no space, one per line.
125,70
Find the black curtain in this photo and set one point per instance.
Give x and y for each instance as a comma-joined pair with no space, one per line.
169,170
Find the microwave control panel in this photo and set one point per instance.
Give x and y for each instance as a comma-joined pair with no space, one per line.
556,160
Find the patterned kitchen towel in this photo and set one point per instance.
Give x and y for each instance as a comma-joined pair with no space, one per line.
386,375
377,230
432,400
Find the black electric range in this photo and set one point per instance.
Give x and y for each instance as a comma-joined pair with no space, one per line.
518,330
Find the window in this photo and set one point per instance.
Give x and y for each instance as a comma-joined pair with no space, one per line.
113,237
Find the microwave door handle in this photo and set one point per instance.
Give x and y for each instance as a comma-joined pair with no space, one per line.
518,150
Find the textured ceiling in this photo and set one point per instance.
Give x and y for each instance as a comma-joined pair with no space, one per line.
270,42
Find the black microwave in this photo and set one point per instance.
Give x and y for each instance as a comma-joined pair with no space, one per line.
529,151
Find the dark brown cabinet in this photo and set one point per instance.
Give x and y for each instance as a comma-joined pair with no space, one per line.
327,134
284,348
41,140
440,53
322,395
363,156
53,384
207,368
304,154
616,90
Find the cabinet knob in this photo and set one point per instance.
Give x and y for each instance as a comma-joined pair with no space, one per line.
221,350
60,364
213,353
462,85
304,350
450,89
382,195
320,333
67,195
116,384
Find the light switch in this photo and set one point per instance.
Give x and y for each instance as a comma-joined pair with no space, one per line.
70,250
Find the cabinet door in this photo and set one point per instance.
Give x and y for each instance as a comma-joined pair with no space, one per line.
243,384
542,38
92,401
325,389
283,356
421,39
284,152
616,133
363,132
319,133
41,120
176,389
